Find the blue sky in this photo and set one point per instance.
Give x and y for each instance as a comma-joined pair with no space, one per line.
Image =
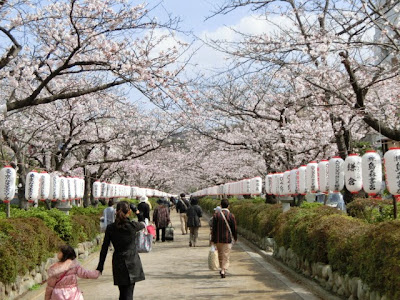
194,12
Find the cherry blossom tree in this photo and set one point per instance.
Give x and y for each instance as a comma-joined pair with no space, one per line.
344,54
68,49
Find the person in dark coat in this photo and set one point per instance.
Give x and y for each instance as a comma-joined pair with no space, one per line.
161,219
126,264
194,214
224,232
144,207
181,207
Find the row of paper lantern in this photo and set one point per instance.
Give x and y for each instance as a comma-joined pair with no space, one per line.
355,173
109,190
41,186
44,186
252,186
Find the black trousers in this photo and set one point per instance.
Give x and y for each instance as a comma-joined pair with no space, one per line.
162,234
126,291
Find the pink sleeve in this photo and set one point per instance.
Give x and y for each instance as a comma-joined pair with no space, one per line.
51,282
90,274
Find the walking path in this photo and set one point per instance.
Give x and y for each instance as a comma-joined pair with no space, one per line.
176,271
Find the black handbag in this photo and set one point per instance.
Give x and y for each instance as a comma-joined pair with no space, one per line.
169,232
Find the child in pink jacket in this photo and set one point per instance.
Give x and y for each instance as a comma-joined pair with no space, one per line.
62,283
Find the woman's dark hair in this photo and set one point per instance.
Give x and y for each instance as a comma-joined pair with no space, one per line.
110,202
224,203
120,217
67,253
140,217
194,201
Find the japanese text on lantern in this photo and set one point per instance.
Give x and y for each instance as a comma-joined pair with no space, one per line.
313,178
7,184
371,172
32,177
337,175
397,169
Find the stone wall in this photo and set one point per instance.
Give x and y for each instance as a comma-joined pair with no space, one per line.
39,275
351,288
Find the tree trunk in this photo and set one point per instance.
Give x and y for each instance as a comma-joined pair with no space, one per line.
270,199
347,196
23,203
300,199
86,195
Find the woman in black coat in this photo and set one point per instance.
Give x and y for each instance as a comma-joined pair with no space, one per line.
126,264
194,214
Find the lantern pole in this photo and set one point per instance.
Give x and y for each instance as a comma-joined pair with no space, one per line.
8,214
394,207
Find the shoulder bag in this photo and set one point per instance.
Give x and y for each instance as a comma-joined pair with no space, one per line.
229,228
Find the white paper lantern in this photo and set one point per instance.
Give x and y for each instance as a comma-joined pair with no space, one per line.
280,184
323,176
371,167
275,185
245,187
82,187
71,189
63,189
44,190
312,177
96,189
54,194
7,183
103,193
255,185
293,181
336,174
392,170
286,183
268,184
32,186
352,173
134,192
301,180
77,188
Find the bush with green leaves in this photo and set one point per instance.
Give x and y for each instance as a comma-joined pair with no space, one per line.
371,210
379,258
24,244
324,234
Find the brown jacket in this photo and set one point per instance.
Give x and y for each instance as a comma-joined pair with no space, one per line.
220,231
161,216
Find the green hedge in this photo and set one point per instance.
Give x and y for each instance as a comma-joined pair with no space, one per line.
365,246
24,243
30,237
371,210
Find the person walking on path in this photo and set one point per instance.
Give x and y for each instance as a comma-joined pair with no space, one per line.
62,282
126,265
181,207
144,207
194,214
161,219
109,213
224,232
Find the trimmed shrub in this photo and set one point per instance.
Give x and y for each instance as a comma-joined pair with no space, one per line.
371,210
25,243
337,237
294,227
380,258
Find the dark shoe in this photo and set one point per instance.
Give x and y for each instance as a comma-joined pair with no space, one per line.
222,275
190,244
